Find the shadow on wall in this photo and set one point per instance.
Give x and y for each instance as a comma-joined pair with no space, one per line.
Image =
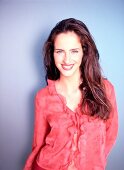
39,66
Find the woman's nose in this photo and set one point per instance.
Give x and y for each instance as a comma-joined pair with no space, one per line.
67,57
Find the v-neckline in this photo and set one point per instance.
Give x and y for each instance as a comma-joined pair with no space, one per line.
63,100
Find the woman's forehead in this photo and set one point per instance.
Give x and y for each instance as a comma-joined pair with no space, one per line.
68,39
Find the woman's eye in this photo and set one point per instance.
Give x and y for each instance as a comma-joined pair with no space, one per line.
74,51
59,52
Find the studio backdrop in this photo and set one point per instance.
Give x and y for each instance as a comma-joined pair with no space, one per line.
24,26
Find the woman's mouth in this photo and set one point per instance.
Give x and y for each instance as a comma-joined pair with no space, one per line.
67,66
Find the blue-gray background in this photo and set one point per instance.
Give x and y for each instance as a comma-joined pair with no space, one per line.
24,26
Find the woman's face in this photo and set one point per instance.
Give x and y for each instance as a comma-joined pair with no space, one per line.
68,53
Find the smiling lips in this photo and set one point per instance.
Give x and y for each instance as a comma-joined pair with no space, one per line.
67,66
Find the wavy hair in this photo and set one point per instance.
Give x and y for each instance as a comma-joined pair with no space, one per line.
92,87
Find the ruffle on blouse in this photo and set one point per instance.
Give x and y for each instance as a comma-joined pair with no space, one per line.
67,142
76,141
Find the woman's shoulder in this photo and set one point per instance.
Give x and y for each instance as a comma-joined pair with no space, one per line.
108,85
42,92
41,97
48,90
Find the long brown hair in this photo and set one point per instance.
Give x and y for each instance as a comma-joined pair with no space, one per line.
92,87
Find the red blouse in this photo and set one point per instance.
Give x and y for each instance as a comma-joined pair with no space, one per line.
68,140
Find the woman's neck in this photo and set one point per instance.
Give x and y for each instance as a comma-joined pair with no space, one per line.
68,84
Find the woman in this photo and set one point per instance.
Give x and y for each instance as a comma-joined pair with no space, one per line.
76,118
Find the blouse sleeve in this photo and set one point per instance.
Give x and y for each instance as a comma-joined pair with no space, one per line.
112,122
40,130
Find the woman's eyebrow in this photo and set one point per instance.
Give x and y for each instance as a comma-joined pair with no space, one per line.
70,49
75,49
58,49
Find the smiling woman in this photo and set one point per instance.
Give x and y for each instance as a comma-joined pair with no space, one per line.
76,118
68,54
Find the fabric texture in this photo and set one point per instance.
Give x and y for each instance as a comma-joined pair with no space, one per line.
68,140
36,166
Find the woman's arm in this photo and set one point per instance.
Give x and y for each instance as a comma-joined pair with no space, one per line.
40,129
112,122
